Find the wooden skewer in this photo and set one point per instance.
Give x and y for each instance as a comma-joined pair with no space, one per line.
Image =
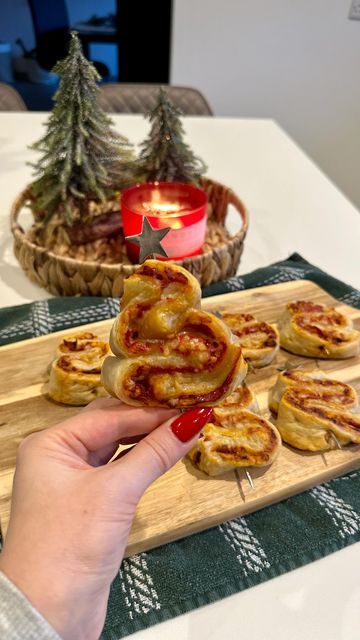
324,459
238,481
333,436
249,479
288,365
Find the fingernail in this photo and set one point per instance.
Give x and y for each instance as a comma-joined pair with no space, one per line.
186,426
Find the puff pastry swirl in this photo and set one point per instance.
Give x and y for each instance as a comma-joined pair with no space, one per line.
75,375
242,398
235,438
167,351
332,391
311,407
317,331
259,340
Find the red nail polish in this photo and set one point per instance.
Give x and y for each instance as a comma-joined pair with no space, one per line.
190,423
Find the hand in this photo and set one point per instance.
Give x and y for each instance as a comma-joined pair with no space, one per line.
71,512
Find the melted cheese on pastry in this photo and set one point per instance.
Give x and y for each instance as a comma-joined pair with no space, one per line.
75,375
318,383
242,398
235,438
167,351
259,340
311,407
317,331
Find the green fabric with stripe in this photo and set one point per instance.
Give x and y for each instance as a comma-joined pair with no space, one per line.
175,578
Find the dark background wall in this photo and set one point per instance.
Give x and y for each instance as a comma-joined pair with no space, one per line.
138,51
15,22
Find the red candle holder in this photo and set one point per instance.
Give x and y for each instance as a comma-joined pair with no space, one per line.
177,205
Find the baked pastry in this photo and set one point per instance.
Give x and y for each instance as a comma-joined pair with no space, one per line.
75,343
242,398
259,340
318,383
167,351
75,375
315,413
235,438
314,330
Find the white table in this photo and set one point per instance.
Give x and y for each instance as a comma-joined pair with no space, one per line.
293,207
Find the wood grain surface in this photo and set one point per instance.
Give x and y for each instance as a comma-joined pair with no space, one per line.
184,500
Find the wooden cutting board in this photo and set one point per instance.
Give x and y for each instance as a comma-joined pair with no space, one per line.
184,500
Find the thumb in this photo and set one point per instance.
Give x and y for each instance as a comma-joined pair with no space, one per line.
161,449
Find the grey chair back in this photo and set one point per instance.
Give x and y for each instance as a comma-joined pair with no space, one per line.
10,99
140,98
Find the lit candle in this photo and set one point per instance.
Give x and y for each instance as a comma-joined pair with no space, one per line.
180,206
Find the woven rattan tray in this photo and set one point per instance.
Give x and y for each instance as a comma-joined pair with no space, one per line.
64,276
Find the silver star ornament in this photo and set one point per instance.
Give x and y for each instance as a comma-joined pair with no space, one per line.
149,240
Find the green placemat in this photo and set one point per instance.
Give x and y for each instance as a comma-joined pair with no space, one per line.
175,578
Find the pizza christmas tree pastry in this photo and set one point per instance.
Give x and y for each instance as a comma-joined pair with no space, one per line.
259,340
318,383
311,409
167,351
314,330
75,375
235,438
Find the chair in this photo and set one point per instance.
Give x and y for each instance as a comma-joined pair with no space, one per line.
52,34
140,98
10,100
51,29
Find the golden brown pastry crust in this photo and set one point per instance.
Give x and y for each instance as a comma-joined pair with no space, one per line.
310,408
235,438
318,383
317,331
242,398
169,352
75,375
259,341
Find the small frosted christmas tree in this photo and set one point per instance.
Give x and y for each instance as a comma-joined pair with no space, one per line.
84,160
164,155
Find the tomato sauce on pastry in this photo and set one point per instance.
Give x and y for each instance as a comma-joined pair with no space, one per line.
167,351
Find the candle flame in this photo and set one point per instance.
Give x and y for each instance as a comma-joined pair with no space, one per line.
157,208
175,224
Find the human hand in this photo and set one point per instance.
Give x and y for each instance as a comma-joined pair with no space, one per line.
71,512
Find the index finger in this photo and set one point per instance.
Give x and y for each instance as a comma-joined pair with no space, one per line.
108,423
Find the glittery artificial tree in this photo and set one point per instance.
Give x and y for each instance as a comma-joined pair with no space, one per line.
84,161
164,155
